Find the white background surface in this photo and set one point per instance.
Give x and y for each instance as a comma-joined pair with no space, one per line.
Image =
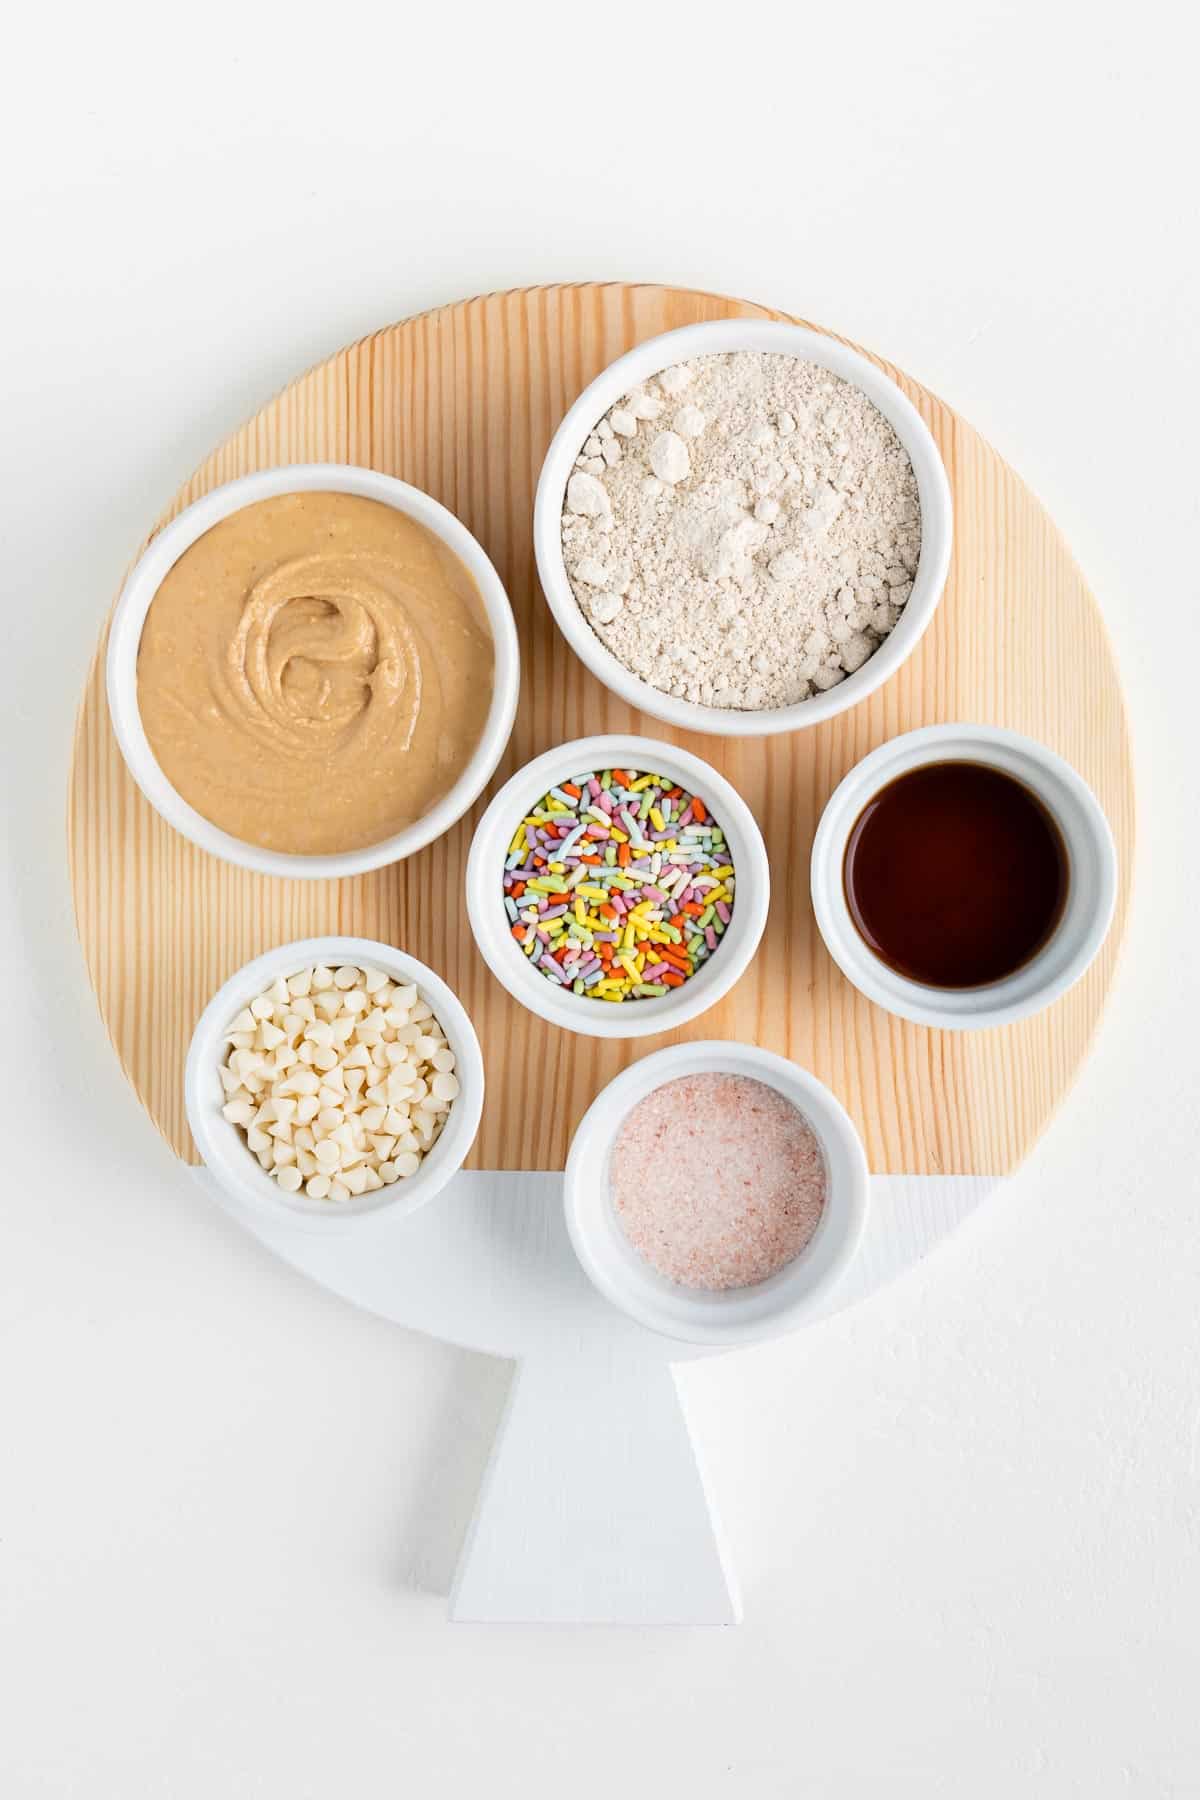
966,1515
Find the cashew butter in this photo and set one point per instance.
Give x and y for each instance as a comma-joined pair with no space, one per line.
314,672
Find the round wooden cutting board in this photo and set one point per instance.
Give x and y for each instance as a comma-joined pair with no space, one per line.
462,402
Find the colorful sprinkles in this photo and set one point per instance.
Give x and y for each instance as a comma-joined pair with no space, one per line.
618,885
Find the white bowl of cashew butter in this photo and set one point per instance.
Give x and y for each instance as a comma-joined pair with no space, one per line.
313,671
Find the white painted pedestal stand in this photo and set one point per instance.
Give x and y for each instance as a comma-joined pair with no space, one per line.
594,1508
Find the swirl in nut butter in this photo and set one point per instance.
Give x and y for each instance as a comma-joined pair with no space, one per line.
314,673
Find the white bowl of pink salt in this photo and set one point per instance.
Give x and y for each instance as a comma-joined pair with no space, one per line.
716,1192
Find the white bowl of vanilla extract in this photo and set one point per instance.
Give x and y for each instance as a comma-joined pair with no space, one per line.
963,876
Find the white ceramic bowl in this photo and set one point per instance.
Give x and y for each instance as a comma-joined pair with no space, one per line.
166,549
734,1315
718,337
575,1012
1091,893
223,1146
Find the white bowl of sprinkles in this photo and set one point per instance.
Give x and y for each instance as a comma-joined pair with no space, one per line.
504,942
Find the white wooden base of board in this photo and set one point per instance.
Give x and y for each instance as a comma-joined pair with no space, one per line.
594,1508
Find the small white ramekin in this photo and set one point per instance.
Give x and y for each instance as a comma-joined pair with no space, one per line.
223,1146
164,551
575,1012
734,1315
1092,878
719,336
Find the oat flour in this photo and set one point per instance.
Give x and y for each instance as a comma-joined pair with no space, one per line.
743,530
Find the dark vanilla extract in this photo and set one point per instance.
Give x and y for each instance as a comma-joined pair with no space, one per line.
956,874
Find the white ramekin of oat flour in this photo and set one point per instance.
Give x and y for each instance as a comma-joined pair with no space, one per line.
715,338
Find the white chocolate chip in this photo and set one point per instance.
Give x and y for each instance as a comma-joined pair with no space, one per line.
328,1113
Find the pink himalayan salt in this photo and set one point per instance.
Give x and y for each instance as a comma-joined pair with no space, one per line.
717,1180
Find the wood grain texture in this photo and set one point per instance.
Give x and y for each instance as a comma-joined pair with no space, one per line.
462,402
